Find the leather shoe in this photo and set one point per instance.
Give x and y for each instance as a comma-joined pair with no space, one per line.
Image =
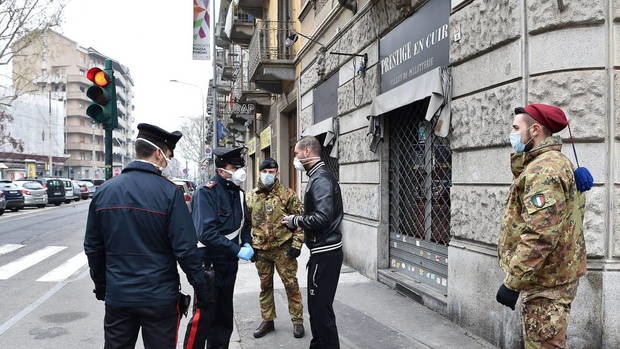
298,330
264,328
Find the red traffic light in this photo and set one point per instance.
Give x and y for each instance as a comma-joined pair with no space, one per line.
98,76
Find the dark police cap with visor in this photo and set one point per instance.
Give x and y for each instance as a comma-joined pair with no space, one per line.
158,136
232,156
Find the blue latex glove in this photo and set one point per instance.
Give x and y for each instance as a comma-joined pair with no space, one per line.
246,252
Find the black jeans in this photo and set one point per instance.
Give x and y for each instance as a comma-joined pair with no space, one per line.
160,326
323,275
214,325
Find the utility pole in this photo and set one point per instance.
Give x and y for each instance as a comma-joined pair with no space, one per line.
49,136
94,156
214,111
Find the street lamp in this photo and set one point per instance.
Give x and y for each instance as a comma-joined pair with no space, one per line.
204,117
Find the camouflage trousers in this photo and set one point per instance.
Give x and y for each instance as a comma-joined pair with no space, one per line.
544,323
286,266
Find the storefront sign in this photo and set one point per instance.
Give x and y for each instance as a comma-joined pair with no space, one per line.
265,138
244,110
418,45
251,146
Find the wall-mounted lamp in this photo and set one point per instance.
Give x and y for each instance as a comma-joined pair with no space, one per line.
294,36
363,66
349,5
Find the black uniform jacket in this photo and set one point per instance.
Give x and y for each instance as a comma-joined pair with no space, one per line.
138,228
216,213
322,211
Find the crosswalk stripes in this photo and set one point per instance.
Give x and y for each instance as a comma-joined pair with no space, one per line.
66,269
11,269
8,248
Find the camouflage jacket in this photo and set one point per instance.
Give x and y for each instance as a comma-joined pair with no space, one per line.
267,208
541,243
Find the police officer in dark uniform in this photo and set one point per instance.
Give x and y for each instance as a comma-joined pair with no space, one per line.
138,229
223,225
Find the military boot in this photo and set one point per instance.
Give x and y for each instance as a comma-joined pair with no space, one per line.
298,330
264,328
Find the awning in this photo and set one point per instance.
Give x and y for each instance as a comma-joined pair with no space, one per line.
436,84
329,127
3,166
229,20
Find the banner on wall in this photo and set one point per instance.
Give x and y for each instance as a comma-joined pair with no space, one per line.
202,30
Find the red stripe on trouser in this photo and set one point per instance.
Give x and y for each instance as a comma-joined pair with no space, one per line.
176,338
194,329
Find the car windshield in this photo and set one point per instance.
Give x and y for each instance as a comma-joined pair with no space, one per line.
68,184
5,185
32,185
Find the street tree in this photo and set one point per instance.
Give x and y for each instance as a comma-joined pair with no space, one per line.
196,138
22,25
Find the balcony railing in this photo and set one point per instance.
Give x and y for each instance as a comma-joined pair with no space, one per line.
268,45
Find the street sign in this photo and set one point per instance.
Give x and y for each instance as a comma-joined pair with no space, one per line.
208,152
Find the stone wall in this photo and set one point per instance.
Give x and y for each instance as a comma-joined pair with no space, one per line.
502,61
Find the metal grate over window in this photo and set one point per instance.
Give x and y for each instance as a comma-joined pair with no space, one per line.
420,176
330,163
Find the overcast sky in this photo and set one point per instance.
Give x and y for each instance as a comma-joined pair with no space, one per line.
153,39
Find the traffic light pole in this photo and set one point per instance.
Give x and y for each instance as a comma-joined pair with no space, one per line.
108,153
112,117
103,110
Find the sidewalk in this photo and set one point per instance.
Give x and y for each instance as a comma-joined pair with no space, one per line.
368,314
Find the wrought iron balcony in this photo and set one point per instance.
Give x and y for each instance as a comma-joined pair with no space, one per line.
241,26
270,60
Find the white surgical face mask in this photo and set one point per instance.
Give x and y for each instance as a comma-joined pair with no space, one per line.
299,163
267,178
237,177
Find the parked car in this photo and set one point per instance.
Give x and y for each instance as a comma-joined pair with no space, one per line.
14,198
69,195
85,192
2,203
190,185
95,182
91,188
55,190
77,190
187,194
34,193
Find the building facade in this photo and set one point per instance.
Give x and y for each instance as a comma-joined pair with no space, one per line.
413,101
420,134
58,64
258,65
31,134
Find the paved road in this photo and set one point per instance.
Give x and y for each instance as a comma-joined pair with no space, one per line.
47,299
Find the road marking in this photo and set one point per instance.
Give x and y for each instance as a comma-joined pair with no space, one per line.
8,248
29,309
66,269
34,213
27,261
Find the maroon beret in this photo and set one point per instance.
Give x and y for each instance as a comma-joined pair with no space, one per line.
549,116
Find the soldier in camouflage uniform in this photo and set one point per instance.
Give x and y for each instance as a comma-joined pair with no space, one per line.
541,245
275,246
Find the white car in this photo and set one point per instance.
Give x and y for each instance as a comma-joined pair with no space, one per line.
70,195
187,193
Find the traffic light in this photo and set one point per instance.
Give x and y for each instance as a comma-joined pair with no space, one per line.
103,94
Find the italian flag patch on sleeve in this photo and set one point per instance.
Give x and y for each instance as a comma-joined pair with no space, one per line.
538,200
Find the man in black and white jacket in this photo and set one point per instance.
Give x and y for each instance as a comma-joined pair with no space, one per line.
321,224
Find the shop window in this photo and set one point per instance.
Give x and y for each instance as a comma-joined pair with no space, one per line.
420,178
